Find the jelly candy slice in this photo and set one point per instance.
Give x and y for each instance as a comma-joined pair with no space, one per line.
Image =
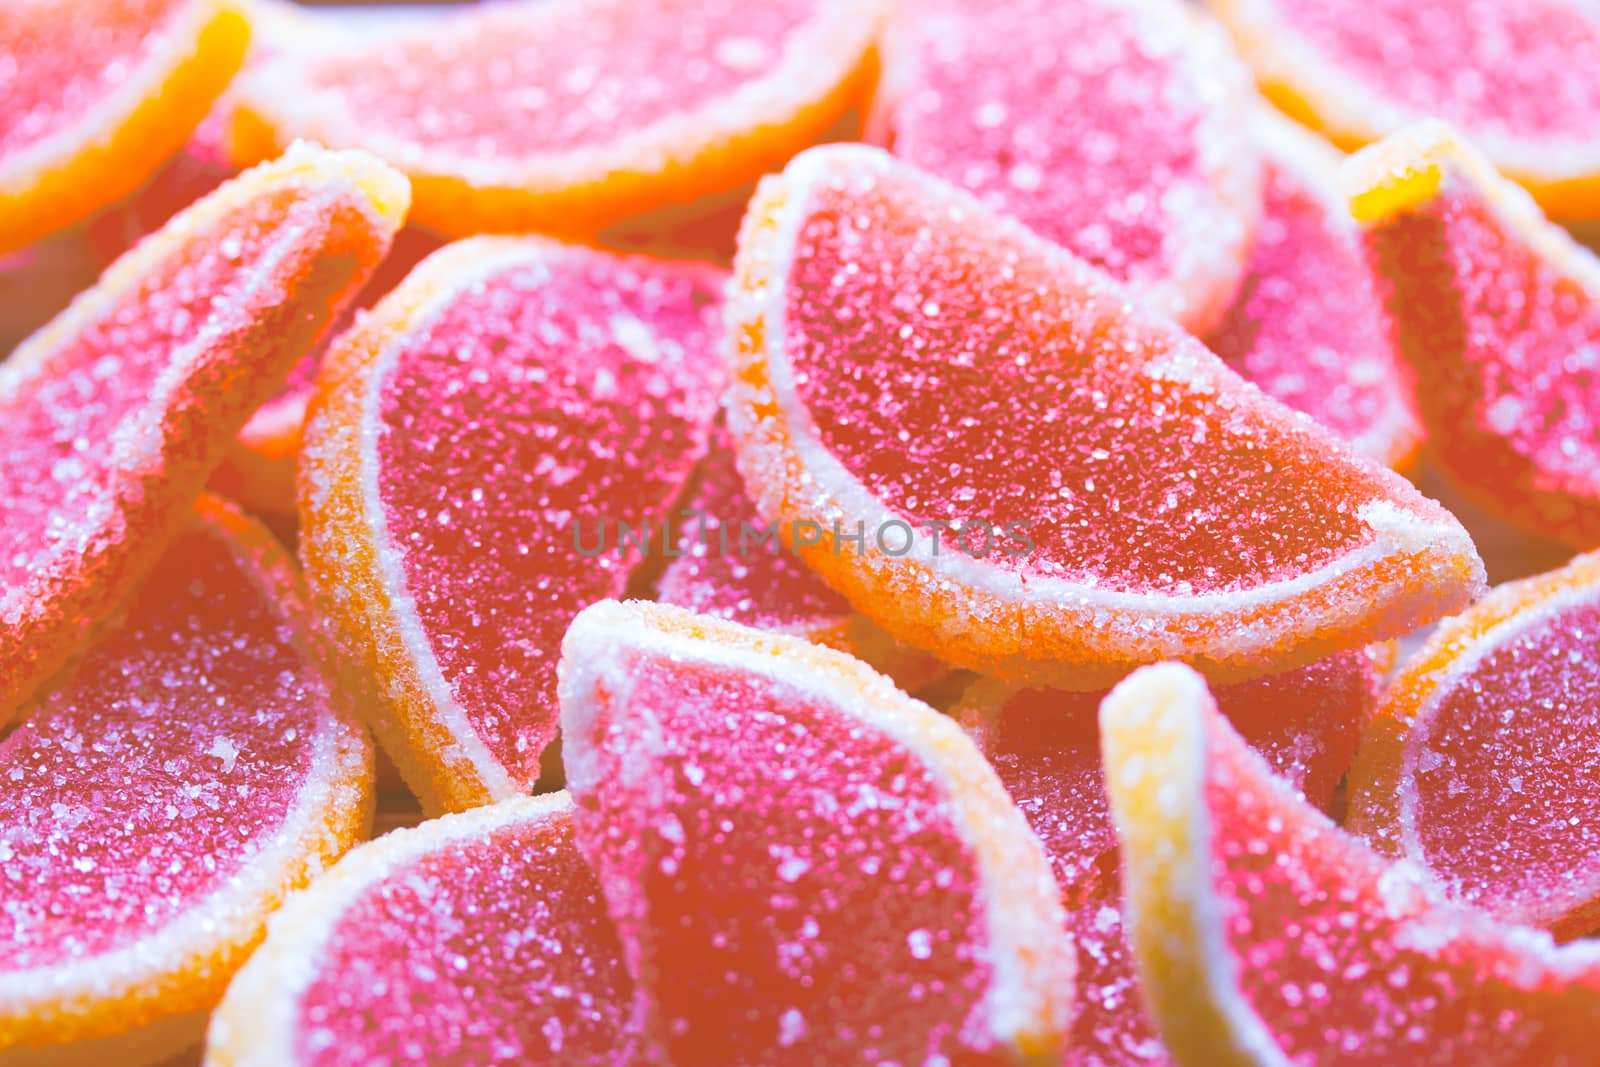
1107,491
574,114
1498,312
1309,326
802,861
1481,765
1044,745
162,798
97,94
473,449
1109,126
113,415
733,566
1267,935
1522,79
477,938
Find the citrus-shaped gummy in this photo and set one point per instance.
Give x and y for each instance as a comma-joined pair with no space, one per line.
479,938
1481,763
805,865
1522,80
1045,746
488,451
1309,326
1498,312
1267,935
115,413
1036,479
730,564
96,94
1109,126
570,115
163,797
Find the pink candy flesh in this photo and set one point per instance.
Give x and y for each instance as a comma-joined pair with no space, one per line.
1507,354
48,88
784,877
1045,747
1126,476
572,392
1342,955
1526,69
162,768
495,950
500,85
1044,110
1507,775
1309,326
742,581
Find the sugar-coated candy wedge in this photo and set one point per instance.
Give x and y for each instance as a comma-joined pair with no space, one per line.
805,865
1481,765
114,414
1267,935
472,451
1110,126
96,94
478,938
1310,327
1106,491
568,115
731,565
1521,79
163,797
1498,312
1045,746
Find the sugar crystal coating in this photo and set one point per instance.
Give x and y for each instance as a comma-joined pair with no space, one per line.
1479,764
116,412
1529,69
1498,312
490,450
47,88
580,112
1106,490
1109,126
1045,746
1328,948
162,796
1309,326
787,873
488,947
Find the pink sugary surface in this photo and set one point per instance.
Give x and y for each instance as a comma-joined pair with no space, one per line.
494,950
1507,353
574,391
46,86
1505,766
501,85
166,763
742,580
1065,116
1530,68
63,463
784,877
1045,747
1075,418
1342,955
1309,326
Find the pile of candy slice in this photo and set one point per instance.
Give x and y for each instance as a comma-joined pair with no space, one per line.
697,532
